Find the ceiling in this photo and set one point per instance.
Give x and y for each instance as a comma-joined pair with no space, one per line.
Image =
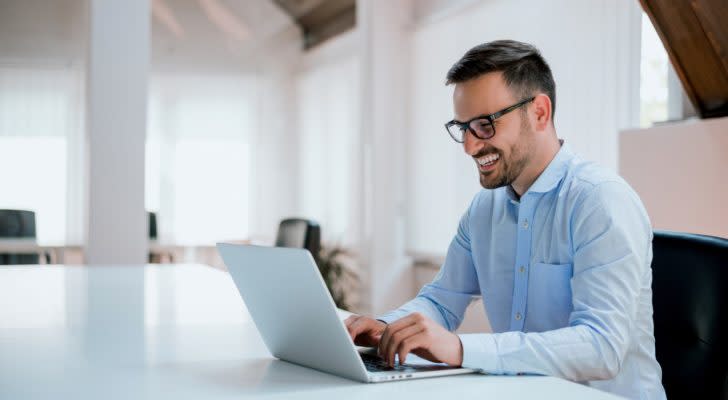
320,19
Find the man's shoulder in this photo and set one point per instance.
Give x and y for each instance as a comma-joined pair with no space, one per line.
599,196
592,182
588,174
584,177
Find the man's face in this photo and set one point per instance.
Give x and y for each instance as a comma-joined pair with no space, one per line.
512,143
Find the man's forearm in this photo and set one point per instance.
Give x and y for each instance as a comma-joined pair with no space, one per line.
577,353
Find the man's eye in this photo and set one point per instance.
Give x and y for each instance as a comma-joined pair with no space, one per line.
482,125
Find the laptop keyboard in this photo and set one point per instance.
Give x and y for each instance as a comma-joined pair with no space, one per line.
375,363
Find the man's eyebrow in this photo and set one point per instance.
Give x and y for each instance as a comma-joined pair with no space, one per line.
470,119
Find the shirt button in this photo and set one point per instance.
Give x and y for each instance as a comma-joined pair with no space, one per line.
522,269
525,224
518,316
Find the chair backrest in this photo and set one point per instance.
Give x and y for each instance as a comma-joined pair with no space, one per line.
690,297
17,224
152,225
300,233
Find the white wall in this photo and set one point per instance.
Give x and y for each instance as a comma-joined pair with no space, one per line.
327,102
678,169
275,144
590,48
384,42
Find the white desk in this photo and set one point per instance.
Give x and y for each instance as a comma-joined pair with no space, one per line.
178,332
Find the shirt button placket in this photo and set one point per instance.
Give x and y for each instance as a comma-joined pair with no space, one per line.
523,256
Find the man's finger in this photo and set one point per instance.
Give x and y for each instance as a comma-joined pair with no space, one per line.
392,329
389,349
356,327
397,339
409,344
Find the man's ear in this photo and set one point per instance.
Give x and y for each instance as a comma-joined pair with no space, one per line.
541,111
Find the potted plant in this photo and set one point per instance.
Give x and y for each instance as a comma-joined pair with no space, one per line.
341,280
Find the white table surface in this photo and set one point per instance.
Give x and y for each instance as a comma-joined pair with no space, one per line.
179,332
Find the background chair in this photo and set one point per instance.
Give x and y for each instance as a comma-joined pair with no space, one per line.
690,297
152,225
300,233
18,224
158,255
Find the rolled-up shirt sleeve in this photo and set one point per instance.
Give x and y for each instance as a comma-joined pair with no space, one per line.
445,299
611,244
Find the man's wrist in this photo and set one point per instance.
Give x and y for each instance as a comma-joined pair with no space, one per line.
480,352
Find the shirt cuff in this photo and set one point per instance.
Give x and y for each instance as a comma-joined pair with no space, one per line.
480,352
392,316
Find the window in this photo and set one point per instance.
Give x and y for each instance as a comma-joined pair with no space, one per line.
653,76
198,157
41,112
328,125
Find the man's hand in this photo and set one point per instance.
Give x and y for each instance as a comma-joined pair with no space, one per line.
422,336
365,331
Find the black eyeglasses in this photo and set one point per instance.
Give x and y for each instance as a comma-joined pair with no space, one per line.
481,126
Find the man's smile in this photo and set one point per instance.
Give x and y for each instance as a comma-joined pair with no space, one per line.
487,162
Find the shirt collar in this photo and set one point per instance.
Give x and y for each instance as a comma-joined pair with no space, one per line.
552,175
555,171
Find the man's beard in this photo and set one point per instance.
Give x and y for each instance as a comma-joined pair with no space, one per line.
519,157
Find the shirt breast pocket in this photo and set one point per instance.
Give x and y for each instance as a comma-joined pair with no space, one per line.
549,296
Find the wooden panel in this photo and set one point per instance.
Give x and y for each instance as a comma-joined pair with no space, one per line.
696,42
320,19
710,18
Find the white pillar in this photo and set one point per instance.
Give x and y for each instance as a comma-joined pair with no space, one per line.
118,59
383,27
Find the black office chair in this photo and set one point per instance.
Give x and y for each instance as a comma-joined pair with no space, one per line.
152,225
300,233
690,297
156,257
18,224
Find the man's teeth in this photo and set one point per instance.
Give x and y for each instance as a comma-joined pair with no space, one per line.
488,159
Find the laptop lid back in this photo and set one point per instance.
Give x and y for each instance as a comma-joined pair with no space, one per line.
292,308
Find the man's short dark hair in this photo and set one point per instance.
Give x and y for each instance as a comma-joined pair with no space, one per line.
524,69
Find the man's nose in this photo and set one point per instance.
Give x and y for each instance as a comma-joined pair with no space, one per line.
471,144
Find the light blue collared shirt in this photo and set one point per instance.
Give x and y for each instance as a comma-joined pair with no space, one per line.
565,276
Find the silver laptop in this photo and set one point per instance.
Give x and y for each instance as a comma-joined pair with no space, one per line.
298,321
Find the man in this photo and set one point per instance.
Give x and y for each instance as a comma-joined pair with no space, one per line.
559,248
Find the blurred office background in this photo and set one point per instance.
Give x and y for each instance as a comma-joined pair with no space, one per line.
229,116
